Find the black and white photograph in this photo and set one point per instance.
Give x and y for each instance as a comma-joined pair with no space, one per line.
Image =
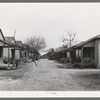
49,48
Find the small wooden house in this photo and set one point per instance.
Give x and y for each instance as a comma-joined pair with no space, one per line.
16,53
88,52
1,46
6,52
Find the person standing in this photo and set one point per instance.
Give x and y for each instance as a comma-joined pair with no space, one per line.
36,62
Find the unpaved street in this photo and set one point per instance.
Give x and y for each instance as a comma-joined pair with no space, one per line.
46,76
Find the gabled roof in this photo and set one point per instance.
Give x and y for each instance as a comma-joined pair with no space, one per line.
9,39
19,43
2,34
24,46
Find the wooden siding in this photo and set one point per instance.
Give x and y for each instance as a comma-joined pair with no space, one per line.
17,54
6,51
1,44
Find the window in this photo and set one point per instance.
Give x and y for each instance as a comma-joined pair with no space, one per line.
88,52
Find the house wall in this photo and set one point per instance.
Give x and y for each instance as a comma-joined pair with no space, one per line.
68,54
1,55
87,61
17,54
97,53
5,52
1,44
1,51
24,56
78,53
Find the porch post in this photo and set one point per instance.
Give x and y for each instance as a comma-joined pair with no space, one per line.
97,53
82,57
78,52
14,62
78,56
20,56
8,58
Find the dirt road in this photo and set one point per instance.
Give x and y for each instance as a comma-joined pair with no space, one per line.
46,76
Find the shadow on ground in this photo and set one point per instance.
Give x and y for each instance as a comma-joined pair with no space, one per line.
70,66
67,67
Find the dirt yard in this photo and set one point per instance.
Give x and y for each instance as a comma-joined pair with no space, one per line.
49,75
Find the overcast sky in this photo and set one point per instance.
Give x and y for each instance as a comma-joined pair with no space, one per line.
50,20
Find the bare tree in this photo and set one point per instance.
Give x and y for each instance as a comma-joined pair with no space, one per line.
36,42
51,52
70,38
61,48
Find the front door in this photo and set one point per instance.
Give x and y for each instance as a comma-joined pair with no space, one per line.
13,54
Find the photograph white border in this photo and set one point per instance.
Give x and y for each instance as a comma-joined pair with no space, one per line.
50,94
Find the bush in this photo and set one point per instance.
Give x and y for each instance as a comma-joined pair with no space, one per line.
64,60
7,60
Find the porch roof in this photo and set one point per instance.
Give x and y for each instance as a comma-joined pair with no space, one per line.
71,48
9,40
79,45
89,40
8,44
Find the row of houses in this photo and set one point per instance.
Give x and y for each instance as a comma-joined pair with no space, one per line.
86,53
14,53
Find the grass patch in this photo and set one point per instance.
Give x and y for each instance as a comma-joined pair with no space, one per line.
89,80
